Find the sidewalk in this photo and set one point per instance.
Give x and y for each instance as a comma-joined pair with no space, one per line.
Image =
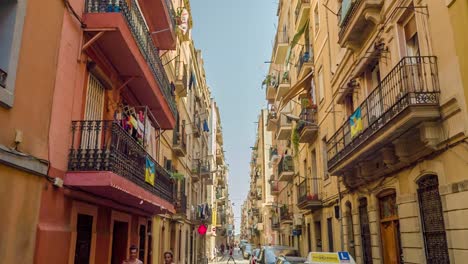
237,256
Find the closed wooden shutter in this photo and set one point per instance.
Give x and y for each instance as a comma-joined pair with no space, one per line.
94,99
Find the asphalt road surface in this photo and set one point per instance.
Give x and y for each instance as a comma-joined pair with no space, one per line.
237,257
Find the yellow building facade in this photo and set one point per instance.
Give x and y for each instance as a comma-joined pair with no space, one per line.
367,103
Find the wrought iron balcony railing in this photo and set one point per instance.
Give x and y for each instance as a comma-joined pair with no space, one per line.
181,206
347,11
3,77
285,215
414,81
304,192
180,138
304,57
306,118
103,145
275,223
286,164
142,36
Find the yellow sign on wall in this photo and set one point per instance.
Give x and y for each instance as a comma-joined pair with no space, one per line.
325,258
341,257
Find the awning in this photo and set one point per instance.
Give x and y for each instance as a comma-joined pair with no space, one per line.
294,91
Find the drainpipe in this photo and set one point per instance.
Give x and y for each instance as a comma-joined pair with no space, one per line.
334,129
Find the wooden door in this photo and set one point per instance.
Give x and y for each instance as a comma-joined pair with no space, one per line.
389,230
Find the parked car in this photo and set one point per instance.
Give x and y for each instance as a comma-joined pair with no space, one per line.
254,256
247,251
242,244
269,254
290,260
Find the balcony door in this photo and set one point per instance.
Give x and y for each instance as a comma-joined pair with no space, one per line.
94,109
365,232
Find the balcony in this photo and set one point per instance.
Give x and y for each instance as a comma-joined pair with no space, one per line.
107,161
286,168
281,47
284,83
197,127
391,116
219,136
221,180
118,31
181,79
307,127
275,223
271,83
305,63
179,145
308,199
272,120
160,18
181,206
285,215
284,128
219,155
195,172
302,13
275,190
255,211
205,169
357,19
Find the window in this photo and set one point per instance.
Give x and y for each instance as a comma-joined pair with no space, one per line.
12,14
411,38
316,19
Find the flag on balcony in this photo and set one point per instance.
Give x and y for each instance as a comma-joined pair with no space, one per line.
150,171
355,122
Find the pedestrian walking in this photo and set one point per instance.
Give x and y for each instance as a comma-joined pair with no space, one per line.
133,256
215,254
222,248
168,258
231,252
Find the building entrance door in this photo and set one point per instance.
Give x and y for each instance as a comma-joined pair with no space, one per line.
390,229
119,242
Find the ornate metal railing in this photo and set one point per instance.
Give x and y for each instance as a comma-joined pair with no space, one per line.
275,222
181,73
137,25
414,81
347,10
285,215
179,138
3,77
103,145
172,14
304,192
286,164
304,57
181,204
306,118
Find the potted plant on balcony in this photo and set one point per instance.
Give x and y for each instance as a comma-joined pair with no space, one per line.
177,176
295,139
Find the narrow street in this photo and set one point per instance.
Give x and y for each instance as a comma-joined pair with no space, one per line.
237,256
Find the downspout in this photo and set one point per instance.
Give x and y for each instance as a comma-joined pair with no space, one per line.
334,129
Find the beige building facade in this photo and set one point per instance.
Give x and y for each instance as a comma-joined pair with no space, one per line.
368,111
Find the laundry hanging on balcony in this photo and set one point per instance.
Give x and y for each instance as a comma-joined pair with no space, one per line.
295,40
149,171
355,122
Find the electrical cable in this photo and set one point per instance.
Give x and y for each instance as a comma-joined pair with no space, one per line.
70,9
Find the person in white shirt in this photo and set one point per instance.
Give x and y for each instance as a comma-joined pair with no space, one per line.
133,256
